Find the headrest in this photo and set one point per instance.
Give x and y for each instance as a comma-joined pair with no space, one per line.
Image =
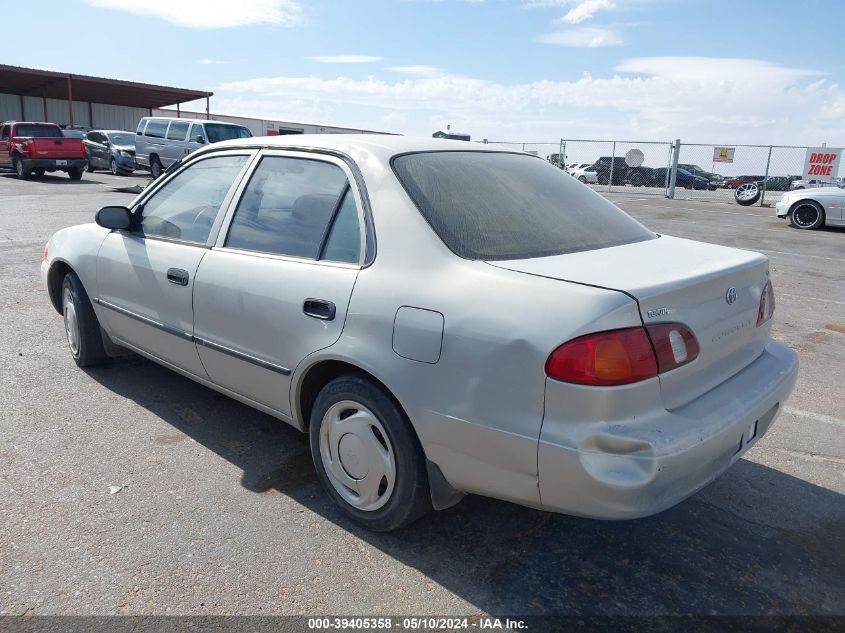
314,209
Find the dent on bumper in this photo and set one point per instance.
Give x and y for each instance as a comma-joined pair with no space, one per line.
634,468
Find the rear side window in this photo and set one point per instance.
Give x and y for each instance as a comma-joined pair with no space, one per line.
4,132
495,206
288,207
178,130
156,129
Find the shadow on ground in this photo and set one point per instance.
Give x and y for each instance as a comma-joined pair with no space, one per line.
757,541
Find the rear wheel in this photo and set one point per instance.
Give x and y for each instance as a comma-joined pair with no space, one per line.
603,179
40,171
90,166
22,172
807,215
637,180
155,167
75,173
82,328
367,455
583,179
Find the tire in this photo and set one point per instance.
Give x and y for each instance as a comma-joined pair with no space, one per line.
155,167
20,170
583,179
380,433
39,172
603,179
637,180
75,173
747,194
113,167
687,185
807,215
90,166
82,328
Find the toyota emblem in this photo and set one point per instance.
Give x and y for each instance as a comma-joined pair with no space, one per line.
730,295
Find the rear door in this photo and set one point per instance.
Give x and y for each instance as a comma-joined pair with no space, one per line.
5,134
277,283
146,276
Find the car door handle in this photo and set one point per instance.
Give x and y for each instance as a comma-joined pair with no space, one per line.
319,309
178,276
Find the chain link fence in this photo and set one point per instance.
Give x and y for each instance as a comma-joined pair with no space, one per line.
691,171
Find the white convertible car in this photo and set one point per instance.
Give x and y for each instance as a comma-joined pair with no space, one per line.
813,208
442,317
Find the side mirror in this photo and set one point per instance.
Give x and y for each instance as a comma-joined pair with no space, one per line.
106,143
199,138
114,218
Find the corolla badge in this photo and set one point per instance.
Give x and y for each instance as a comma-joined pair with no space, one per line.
730,295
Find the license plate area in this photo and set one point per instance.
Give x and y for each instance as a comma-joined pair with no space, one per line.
61,163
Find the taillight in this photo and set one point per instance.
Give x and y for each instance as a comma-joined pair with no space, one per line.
674,345
616,357
46,250
767,304
622,357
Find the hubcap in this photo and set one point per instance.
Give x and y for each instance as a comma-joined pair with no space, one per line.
19,166
71,324
113,167
746,191
357,455
805,215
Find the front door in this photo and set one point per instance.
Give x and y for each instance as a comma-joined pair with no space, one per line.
146,276
5,133
276,286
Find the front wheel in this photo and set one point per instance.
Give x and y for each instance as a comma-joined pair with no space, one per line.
807,215
82,328
156,168
367,455
583,179
90,166
113,166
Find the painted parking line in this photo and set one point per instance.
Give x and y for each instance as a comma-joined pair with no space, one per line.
817,417
817,299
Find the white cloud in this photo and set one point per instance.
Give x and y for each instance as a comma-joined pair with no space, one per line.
697,99
587,9
346,59
211,14
586,37
416,70
209,62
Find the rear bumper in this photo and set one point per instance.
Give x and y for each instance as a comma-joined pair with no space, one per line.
635,467
50,164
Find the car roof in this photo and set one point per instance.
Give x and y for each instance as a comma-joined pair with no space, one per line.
381,146
186,120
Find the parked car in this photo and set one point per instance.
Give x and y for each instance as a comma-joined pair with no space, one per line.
644,177
813,208
714,181
511,333
586,173
732,182
814,183
618,173
684,179
161,141
111,149
30,147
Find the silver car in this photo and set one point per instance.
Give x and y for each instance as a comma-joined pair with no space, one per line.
813,208
442,318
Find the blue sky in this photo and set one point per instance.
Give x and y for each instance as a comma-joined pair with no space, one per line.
536,70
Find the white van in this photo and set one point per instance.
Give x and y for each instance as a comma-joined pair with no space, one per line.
161,141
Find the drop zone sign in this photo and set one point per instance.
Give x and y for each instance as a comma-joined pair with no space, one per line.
822,162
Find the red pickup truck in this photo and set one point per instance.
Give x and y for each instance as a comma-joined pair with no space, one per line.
40,147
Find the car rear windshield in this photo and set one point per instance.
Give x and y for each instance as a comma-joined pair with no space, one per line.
39,131
494,206
217,132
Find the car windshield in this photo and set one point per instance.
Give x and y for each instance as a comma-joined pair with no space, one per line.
38,131
122,138
217,132
495,206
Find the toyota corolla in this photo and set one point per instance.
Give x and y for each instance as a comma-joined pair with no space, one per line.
442,318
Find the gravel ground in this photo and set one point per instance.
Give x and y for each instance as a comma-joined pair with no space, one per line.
219,511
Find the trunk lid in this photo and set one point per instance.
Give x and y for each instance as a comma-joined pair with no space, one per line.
677,280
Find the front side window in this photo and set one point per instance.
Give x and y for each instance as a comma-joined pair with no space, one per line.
186,206
141,125
496,206
288,207
177,131
219,132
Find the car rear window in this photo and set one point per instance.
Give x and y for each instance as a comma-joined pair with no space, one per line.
39,131
495,206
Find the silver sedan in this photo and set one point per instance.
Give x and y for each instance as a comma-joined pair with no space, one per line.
813,208
442,318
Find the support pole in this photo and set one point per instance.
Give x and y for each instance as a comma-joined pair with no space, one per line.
70,100
23,109
612,160
207,108
91,115
560,154
44,100
673,176
766,177
178,112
